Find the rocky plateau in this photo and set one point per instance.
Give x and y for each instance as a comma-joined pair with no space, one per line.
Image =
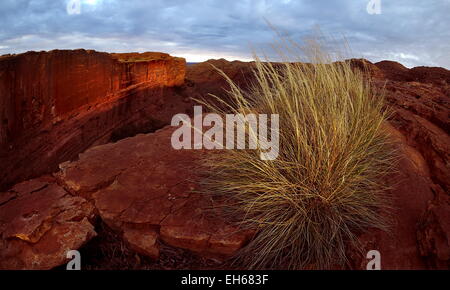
85,156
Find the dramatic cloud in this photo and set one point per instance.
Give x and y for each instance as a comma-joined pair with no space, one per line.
411,32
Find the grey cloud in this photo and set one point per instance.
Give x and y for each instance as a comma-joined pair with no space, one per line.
411,32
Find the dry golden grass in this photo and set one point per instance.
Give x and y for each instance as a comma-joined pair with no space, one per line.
326,185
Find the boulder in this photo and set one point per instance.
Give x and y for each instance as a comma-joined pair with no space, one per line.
39,223
145,189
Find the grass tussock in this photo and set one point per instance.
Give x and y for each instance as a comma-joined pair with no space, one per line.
326,185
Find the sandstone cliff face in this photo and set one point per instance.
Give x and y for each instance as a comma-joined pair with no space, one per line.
42,87
54,105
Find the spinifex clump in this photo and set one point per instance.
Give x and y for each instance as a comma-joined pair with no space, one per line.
325,186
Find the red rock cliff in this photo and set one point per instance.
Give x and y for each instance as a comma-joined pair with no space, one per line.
54,105
39,87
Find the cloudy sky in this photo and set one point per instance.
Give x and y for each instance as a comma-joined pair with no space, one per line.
411,32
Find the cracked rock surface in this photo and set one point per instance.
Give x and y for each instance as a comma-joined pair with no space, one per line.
39,223
145,189
140,187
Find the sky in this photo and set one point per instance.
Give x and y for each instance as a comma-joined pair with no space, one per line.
412,32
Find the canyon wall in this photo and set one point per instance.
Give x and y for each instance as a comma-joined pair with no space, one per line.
54,105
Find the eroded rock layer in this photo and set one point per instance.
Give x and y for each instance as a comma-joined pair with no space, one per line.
39,223
54,105
139,186
144,188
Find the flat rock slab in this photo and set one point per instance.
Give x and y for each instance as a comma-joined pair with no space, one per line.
39,223
145,189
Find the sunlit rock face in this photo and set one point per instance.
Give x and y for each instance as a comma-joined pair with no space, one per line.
54,105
